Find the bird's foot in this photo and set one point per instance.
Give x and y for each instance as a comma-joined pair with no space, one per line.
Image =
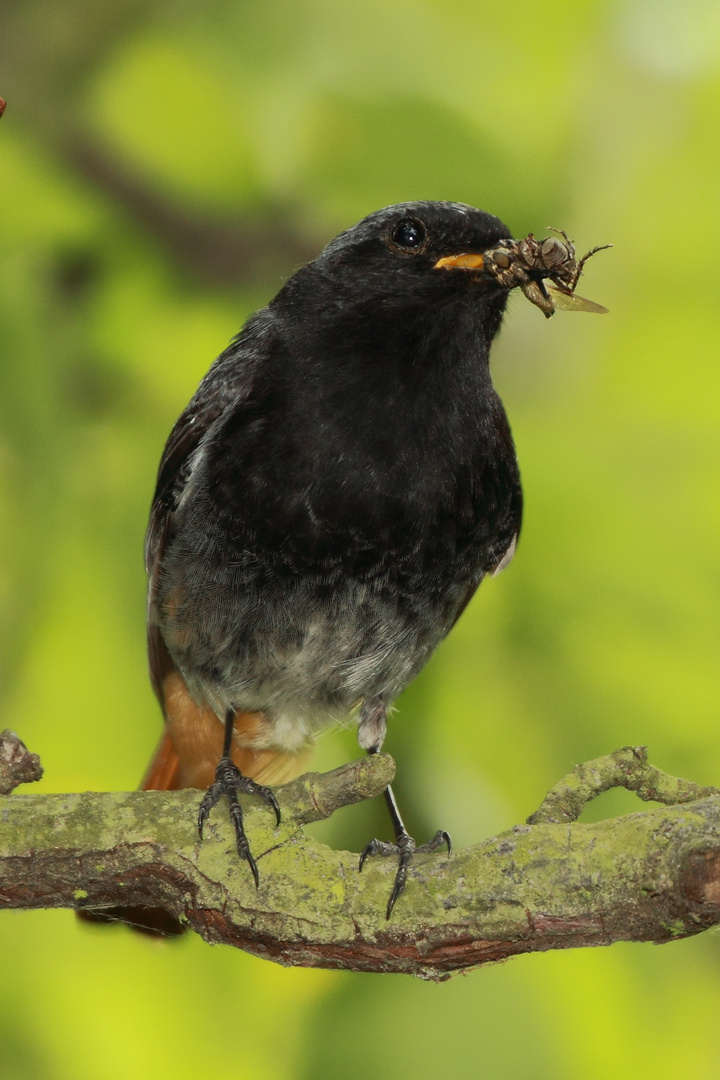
404,848
228,781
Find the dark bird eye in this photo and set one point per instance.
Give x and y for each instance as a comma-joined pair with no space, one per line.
410,235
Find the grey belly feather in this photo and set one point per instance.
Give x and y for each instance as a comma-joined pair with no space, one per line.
304,653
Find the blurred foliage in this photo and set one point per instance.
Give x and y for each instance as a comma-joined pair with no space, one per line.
164,167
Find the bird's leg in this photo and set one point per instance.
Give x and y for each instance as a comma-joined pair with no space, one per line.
228,781
371,734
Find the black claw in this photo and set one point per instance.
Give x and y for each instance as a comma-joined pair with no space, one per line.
211,797
241,843
400,881
440,838
404,849
269,798
376,847
367,850
228,781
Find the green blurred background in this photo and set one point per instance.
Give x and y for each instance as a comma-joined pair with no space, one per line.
164,167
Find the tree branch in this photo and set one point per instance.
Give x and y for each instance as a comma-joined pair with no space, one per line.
626,768
651,876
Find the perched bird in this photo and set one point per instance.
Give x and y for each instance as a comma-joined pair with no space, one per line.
326,506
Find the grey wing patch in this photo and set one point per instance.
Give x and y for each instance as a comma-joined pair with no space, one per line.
179,451
506,559
176,469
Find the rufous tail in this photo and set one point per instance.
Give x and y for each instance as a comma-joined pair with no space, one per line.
186,757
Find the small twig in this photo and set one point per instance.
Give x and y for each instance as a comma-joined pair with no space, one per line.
627,768
316,796
17,764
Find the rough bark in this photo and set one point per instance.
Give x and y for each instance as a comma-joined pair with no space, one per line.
552,884
17,764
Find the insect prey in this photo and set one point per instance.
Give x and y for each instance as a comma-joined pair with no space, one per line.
546,270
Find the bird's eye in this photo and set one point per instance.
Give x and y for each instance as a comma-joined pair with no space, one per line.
409,235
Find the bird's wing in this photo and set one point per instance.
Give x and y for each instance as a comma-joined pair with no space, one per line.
503,551
215,394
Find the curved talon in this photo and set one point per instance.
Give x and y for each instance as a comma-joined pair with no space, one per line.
376,847
267,795
210,799
441,837
241,843
228,781
405,848
398,886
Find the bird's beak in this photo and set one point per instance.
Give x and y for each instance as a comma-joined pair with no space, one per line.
467,261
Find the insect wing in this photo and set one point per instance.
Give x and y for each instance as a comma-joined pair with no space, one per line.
570,301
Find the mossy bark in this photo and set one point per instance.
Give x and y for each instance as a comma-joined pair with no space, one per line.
650,876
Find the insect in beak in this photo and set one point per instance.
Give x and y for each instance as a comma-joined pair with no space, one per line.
546,270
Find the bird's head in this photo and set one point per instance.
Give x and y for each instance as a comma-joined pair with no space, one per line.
415,249
403,273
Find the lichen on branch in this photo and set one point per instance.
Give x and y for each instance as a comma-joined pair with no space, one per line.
649,876
627,768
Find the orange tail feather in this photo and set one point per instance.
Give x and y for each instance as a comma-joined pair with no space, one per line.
163,772
186,757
